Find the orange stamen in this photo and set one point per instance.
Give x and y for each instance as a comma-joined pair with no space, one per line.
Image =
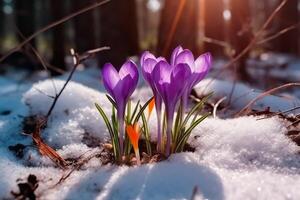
151,106
133,132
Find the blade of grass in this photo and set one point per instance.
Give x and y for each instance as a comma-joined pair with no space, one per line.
182,140
128,112
141,111
134,111
110,129
177,124
146,134
195,108
111,101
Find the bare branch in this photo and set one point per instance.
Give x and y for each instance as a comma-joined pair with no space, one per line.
76,63
278,34
253,42
248,107
42,61
46,28
216,42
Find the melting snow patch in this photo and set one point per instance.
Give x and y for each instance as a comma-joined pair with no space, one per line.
242,158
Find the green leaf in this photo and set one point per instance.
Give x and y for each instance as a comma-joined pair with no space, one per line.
142,110
183,138
110,130
111,101
177,124
134,111
146,134
128,112
127,145
195,108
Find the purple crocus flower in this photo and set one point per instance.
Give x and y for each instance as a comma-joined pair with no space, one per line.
148,62
170,81
199,68
120,85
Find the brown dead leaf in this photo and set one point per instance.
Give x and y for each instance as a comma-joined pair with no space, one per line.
46,150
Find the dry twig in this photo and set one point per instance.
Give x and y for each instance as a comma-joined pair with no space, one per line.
44,149
254,40
46,28
216,106
77,60
248,107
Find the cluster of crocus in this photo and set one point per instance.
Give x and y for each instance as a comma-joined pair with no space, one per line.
171,83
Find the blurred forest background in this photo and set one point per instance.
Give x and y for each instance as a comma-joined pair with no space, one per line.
223,27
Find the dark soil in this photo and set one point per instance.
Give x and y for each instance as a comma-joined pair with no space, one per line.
107,155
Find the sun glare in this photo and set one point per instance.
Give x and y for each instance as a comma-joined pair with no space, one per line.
154,5
226,15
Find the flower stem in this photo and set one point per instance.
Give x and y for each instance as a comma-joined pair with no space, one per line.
158,113
121,133
184,101
137,155
170,115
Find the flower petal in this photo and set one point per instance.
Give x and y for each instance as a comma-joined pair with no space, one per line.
185,56
162,72
133,134
128,86
175,52
202,66
161,78
145,56
130,68
180,79
148,66
130,76
151,106
110,77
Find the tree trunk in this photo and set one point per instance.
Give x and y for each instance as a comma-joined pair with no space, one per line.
118,29
143,22
214,24
25,19
241,33
173,32
84,26
288,43
58,35
2,21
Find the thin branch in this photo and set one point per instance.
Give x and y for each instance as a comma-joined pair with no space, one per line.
280,113
44,93
253,42
216,42
46,28
77,60
248,107
42,61
217,105
77,166
278,34
258,34
294,123
55,69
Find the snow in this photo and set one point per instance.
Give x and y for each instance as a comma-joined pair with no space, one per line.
275,65
74,114
240,158
242,94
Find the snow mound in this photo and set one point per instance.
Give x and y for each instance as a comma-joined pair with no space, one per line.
74,114
245,143
241,95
